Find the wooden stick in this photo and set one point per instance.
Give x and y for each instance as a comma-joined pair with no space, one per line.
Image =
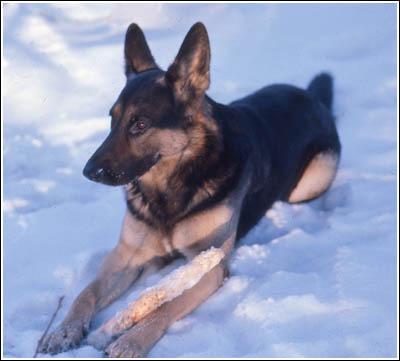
60,301
169,288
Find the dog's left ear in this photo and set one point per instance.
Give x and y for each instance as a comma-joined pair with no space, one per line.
138,56
189,74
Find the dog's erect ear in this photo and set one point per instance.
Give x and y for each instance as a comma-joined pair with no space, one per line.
189,74
138,57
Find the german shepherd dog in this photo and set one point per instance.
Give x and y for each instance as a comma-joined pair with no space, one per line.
196,174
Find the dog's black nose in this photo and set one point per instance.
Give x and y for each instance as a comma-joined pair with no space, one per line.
93,172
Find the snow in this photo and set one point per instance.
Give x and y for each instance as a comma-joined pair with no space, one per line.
311,280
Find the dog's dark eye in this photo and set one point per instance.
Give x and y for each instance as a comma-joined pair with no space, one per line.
139,125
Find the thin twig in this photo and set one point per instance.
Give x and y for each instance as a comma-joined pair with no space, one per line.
60,300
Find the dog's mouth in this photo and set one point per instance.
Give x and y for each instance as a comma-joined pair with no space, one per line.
121,177
145,169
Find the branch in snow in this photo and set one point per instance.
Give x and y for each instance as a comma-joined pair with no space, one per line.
59,305
169,288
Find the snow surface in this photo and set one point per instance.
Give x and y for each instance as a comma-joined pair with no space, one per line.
312,280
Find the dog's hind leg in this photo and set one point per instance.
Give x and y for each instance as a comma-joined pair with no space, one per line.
316,177
121,268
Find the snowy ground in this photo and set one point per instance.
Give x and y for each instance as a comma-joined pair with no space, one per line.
313,280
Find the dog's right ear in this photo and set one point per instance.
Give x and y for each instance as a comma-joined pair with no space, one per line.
138,56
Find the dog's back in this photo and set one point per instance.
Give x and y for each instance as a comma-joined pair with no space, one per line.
285,127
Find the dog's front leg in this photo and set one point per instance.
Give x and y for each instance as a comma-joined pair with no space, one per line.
75,326
137,341
138,331
138,249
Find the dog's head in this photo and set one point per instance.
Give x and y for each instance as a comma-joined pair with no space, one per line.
151,117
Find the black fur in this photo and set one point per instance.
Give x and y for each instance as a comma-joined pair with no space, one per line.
321,87
285,127
138,57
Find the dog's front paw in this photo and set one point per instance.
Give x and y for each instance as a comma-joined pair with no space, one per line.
65,337
125,346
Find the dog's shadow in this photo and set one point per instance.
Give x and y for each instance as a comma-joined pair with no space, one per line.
311,217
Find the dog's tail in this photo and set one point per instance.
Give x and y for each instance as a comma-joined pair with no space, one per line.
321,87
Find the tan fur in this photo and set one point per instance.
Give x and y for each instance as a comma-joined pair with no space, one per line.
197,78
177,148
172,142
141,242
156,179
316,178
116,111
204,229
